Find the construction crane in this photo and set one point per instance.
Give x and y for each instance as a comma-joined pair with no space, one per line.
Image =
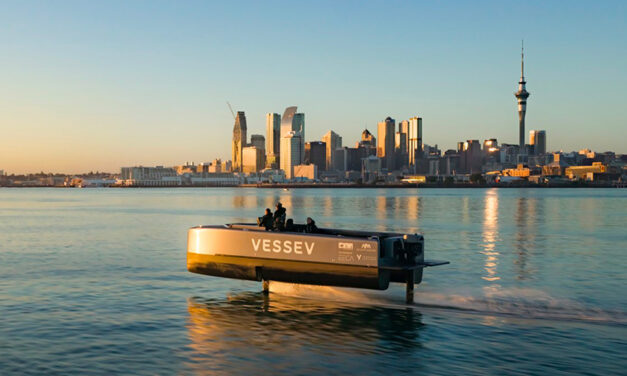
231,108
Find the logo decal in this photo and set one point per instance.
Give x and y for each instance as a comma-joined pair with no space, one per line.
285,246
342,245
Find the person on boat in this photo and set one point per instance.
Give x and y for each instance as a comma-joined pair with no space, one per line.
266,221
311,227
279,217
289,225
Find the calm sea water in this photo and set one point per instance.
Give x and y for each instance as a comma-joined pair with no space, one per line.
93,281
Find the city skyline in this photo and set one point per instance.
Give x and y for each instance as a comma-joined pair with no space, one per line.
72,104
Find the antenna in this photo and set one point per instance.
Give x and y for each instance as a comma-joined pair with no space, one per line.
231,108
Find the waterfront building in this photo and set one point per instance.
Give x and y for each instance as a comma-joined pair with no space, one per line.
582,172
239,140
316,153
306,172
538,140
332,141
521,171
158,176
217,179
521,96
253,159
227,166
290,152
385,149
273,140
414,139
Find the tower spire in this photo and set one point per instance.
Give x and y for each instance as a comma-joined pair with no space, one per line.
522,60
521,95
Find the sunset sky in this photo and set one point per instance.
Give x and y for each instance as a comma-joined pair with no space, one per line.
99,85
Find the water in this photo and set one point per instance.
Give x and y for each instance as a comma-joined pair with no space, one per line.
93,281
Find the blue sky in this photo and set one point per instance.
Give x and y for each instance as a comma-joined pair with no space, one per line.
95,86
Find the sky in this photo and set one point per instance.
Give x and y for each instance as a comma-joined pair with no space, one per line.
93,86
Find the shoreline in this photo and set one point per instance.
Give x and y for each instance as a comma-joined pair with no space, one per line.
351,186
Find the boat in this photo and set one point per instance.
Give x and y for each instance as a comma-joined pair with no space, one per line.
330,257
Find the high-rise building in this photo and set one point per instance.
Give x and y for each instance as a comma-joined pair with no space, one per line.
385,149
368,139
368,144
346,159
290,152
414,140
239,140
273,140
403,127
400,145
258,141
333,141
253,159
521,95
471,157
293,122
316,153
538,140
299,125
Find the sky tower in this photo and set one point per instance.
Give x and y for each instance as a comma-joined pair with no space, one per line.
522,94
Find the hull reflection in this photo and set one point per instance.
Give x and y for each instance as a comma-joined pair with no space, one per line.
278,333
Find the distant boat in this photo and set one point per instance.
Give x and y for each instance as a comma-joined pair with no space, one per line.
286,189
332,257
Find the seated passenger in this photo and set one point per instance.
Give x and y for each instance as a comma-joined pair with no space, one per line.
289,225
311,227
266,220
279,217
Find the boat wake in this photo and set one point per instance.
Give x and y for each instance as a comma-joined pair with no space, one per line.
490,301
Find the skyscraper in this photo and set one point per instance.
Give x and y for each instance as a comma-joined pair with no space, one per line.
316,153
400,146
239,140
259,142
538,140
414,139
386,139
294,122
403,127
471,157
368,144
521,96
273,139
290,152
333,141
